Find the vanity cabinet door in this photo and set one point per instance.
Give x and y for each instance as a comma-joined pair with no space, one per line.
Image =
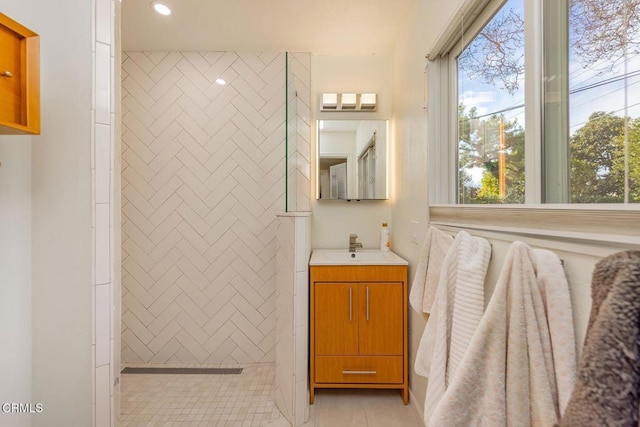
380,319
336,319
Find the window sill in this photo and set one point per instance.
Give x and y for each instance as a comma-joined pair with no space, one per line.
611,224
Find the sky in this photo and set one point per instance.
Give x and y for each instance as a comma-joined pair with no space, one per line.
603,96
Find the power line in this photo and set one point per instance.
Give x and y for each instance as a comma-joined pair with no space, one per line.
604,94
612,112
504,110
571,92
585,70
605,82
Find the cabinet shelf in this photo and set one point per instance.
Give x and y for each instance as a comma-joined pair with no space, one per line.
19,79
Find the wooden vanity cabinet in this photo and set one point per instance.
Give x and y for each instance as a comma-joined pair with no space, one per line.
359,328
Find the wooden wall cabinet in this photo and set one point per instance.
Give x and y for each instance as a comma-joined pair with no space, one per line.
359,328
19,79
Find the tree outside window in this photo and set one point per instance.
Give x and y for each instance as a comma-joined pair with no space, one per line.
603,105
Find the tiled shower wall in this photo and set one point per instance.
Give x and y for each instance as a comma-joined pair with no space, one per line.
202,181
105,172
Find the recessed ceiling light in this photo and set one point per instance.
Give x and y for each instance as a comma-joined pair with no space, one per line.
161,8
221,82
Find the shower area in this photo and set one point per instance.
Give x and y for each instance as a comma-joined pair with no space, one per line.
215,225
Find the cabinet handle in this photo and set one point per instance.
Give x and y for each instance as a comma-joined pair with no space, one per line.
359,372
350,304
367,303
7,74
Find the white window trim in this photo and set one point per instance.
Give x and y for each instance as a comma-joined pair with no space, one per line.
533,95
616,224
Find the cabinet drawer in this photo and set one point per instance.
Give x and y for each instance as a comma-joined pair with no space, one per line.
359,369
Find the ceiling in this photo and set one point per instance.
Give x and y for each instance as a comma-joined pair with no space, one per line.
336,27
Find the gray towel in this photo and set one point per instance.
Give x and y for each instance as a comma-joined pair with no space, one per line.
608,382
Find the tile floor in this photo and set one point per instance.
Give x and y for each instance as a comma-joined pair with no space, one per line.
247,400
361,408
195,400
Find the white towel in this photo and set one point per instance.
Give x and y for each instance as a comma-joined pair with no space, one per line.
456,312
515,367
557,300
427,275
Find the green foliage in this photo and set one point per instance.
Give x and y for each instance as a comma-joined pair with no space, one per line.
479,147
598,160
594,149
489,191
618,163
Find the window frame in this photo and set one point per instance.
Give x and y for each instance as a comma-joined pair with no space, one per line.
585,222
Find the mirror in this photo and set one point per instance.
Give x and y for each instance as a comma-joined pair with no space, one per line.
351,159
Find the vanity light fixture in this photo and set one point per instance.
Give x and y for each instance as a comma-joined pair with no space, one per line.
368,101
348,102
329,101
161,8
220,81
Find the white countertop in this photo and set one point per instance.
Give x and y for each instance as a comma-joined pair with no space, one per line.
360,257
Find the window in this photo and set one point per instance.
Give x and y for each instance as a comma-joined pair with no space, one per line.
490,77
604,101
543,103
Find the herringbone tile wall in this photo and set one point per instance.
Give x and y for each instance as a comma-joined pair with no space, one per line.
202,180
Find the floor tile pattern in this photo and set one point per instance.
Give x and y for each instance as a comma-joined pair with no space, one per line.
362,408
247,400
200,400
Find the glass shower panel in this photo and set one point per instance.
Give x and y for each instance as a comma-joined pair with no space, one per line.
291,138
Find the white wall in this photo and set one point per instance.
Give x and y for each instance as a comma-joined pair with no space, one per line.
410,131
48,222
15,265
61,192
334,220
15,257
338,142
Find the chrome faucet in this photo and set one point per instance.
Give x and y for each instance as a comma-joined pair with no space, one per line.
353,244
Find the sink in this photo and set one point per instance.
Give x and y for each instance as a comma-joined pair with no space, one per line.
360,257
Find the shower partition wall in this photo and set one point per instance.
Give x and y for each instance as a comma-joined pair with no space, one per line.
293,250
